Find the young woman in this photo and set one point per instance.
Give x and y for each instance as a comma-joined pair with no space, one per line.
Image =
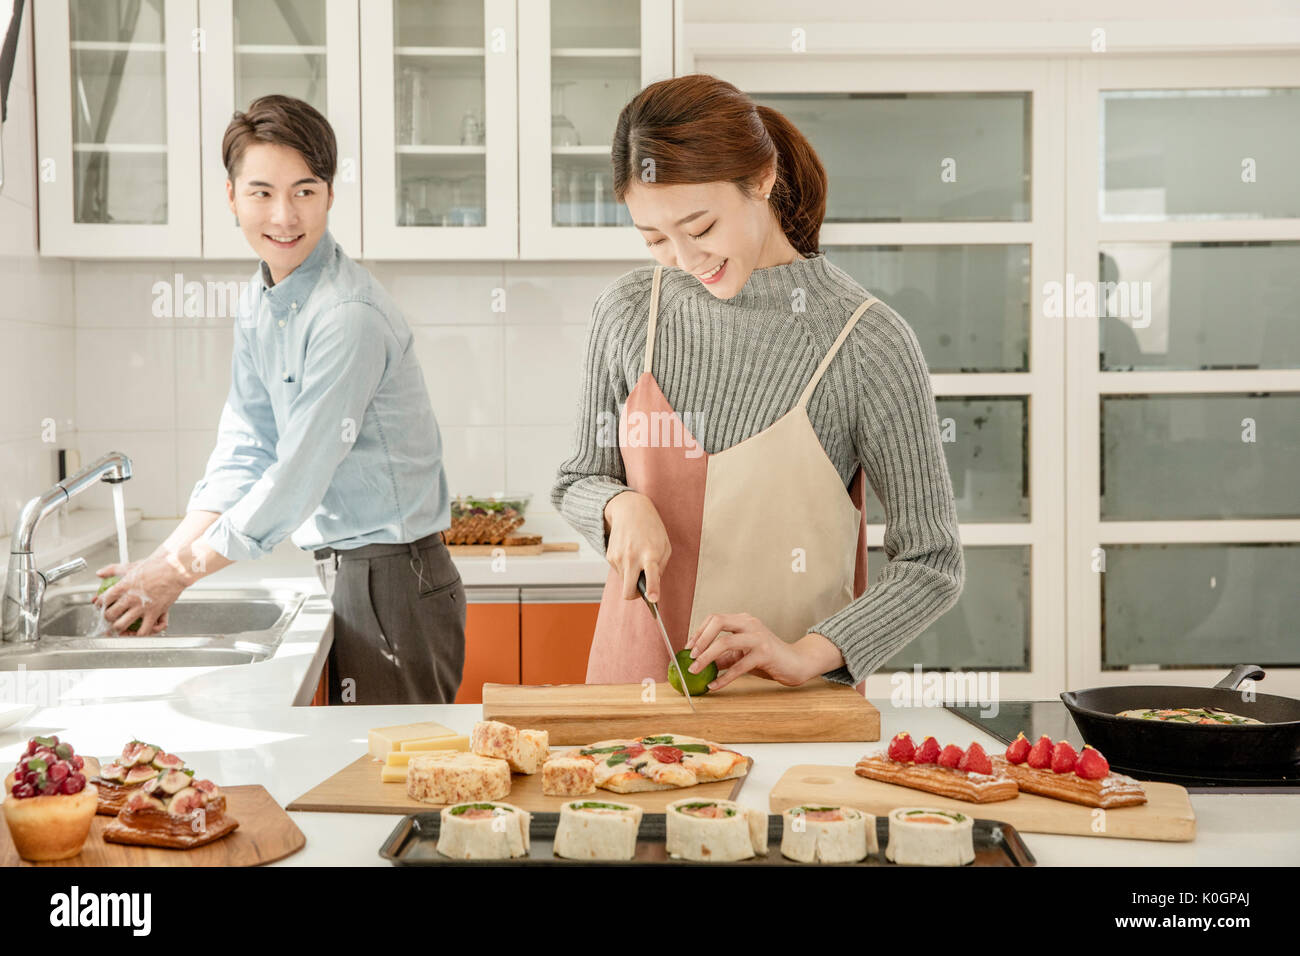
755,384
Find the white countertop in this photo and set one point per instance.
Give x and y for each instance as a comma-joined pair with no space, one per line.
238,725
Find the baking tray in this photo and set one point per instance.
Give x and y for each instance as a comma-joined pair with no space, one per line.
413,843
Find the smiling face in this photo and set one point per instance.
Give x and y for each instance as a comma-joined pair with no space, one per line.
698,227
281,205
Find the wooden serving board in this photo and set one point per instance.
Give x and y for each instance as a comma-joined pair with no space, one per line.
486,550
265,834
357,789
1167,814
749,710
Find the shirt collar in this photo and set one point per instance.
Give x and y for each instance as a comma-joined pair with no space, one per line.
297,285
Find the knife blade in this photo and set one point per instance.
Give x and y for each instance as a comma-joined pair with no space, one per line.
672,657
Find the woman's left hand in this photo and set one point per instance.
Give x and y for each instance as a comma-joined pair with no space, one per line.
742,644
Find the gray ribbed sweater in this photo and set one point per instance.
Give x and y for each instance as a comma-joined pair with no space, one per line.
737,365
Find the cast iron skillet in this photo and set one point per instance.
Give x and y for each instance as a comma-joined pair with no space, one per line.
1160,745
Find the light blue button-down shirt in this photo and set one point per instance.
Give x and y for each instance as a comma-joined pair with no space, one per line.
328,432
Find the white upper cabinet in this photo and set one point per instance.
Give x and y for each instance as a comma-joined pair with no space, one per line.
302,48
581,70
117,114
456,158
438,92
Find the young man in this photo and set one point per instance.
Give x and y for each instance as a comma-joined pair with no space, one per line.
327,434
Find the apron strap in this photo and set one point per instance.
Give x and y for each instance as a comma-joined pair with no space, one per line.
654,314
844,334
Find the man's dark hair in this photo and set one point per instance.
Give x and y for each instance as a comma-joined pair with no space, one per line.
285,121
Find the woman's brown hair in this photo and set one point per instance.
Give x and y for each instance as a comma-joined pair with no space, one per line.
700,129
284,121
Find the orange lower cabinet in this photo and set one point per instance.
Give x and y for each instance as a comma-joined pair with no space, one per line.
556,627
491,641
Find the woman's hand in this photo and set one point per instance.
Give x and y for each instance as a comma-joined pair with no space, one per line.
638,542
145,591
742,644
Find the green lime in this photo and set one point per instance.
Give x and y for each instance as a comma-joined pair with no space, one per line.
104,586
697,684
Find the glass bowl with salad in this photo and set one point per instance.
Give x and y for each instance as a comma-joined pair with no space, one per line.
485,519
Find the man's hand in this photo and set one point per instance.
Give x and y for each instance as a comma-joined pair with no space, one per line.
742,644
145,591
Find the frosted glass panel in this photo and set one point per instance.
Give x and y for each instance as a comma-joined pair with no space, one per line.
968,305
1200,154
1199,456
988,627
1200,605
986,445
917,157
1201,305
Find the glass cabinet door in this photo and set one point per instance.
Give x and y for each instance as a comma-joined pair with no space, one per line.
438,89
118,146
587,68
301,48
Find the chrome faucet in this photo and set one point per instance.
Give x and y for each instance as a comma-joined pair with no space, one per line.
20,615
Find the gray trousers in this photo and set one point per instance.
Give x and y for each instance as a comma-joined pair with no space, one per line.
399,623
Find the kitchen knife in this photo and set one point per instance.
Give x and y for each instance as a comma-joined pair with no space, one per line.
672,657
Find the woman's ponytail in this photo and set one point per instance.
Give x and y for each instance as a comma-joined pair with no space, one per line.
799,193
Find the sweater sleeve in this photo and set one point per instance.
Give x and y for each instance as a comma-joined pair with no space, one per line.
896,436
594,472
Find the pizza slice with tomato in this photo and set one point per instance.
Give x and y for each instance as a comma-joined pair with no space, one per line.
661,762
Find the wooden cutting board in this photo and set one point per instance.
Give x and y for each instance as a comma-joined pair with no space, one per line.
357,789
749,710
476,550
265,834
1167,814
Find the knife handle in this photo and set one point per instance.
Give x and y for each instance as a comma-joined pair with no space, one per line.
640,585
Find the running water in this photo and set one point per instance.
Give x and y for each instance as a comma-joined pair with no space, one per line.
119,511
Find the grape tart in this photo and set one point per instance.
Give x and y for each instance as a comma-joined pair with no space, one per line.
49,803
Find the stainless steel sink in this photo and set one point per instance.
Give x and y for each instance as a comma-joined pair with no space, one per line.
206,628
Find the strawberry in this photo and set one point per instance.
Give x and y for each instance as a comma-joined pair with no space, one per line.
951,756
976,760
901,748
1019,749
1063,758
1091,765
928,752
1040,754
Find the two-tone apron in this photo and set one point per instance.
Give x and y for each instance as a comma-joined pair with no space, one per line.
765,527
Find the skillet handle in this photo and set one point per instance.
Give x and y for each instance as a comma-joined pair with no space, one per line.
1239,674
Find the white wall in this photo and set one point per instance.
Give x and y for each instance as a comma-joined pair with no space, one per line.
37,366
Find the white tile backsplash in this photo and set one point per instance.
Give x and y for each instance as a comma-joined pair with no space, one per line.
152,487
542,373
443,293
126,379
474,459
533,455
464,370
557,293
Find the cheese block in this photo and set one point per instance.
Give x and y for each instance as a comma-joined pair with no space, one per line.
400,758
531,749
453,777
454,742
491,738
389,774
384,740
568,777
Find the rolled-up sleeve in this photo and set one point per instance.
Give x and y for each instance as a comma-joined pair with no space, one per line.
345,360
246,436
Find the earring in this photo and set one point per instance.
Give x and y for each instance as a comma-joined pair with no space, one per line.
236,221
767,195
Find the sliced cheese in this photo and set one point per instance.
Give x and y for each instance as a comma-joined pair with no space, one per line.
384,740
454,742
389,774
